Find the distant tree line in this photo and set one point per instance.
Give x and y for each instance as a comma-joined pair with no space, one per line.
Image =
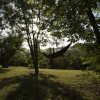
72,59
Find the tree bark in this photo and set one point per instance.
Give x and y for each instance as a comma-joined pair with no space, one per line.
3,61
36,71
34,55
36,59
94,25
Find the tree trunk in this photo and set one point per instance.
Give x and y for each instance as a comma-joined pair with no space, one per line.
94,25
36,71
34,55
4,63
35,62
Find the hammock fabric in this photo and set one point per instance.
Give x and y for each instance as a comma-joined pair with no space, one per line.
58,53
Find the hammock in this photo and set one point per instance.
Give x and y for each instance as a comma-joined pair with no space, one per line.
58,53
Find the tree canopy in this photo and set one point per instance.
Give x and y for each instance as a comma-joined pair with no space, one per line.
8,47
37,20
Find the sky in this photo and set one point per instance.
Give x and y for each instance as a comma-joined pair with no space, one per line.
63,44
48,45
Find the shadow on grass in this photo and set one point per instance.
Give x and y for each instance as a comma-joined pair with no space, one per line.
44,89
9,81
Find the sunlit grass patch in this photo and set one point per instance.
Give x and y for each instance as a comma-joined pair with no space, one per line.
15,71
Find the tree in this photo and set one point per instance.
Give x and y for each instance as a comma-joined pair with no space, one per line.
62,18
25,17
28,15
91,56
10,35
8,47
21,58
74,19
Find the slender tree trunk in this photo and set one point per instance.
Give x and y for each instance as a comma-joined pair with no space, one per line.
36,60
36,71
3,61
94,25
33,45
35,63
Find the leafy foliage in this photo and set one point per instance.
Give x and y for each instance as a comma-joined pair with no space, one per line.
8,47
21,58
91,56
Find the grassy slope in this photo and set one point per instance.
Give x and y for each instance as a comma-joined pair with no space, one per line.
17,83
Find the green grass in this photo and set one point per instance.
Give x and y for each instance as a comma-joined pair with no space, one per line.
17,83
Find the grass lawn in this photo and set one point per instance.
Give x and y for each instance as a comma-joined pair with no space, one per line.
17,83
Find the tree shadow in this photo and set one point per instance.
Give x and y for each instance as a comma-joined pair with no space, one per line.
11,80
44,89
